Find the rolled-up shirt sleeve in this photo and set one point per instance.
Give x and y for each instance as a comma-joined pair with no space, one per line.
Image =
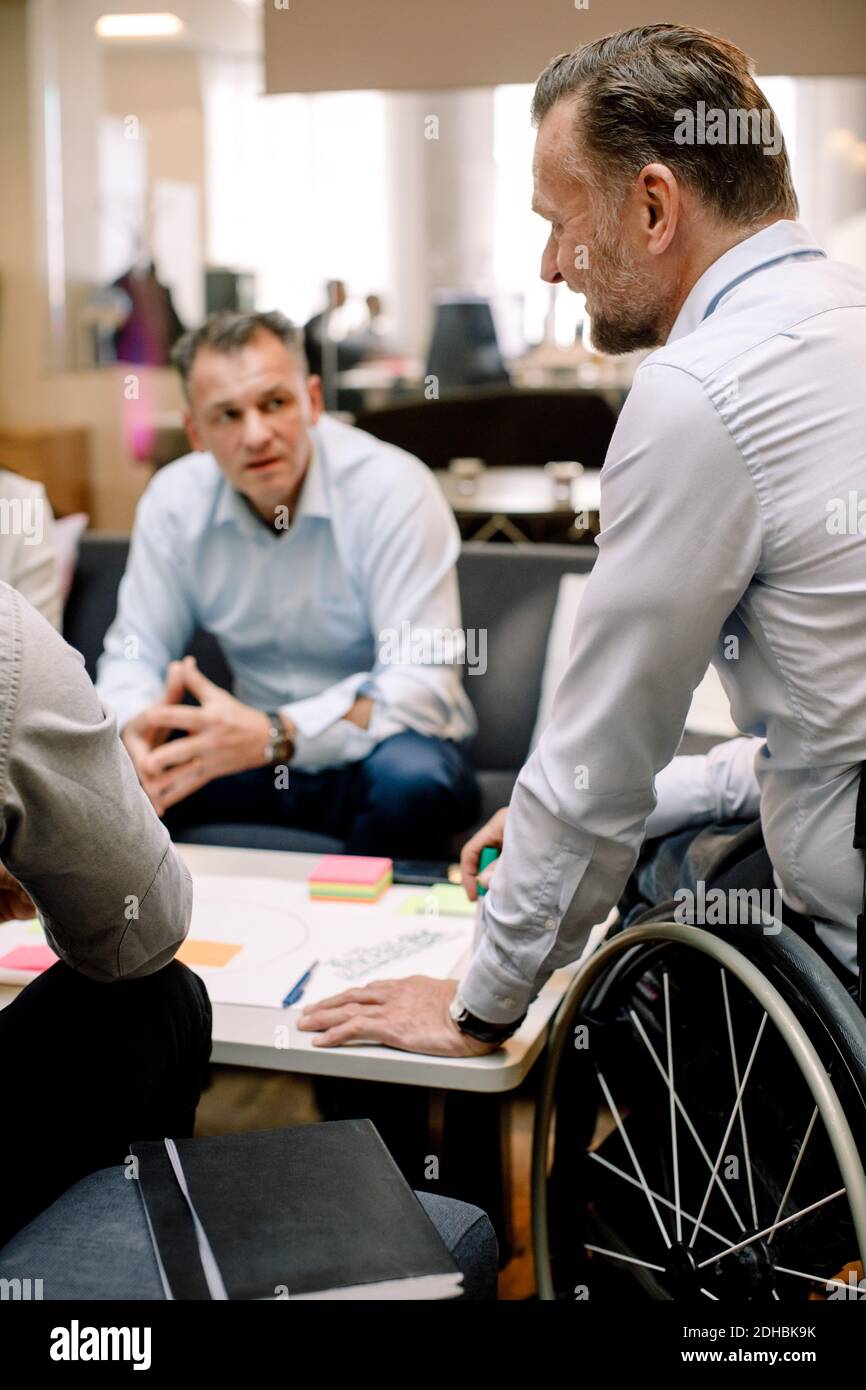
679,544
75,827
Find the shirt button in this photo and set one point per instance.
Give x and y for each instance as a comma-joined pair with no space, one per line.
551,924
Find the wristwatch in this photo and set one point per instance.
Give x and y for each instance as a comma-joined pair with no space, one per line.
279,746
479,1028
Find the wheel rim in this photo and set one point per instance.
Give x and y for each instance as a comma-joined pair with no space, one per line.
752,1255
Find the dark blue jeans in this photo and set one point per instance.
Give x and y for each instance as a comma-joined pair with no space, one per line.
405,800
677,861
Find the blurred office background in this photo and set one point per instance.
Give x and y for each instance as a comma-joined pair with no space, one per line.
364,167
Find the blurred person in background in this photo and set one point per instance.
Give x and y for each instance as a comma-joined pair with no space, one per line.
309,549
27,556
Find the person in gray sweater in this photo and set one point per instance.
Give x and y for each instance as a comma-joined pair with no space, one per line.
112,1042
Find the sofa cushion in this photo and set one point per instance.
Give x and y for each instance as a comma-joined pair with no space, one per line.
248,836
509,592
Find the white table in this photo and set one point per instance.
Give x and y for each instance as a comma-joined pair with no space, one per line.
245,1036
501,494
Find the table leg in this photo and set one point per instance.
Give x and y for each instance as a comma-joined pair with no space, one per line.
502,523
469,1134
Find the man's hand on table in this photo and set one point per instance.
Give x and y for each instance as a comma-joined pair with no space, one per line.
223,736
15,903
410,1014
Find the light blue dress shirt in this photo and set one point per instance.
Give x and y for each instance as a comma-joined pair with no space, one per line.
308,617
720,503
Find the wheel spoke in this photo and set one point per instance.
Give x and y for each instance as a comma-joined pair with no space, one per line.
630,1259
627,1177
759,1235
813,1278
730,1125
707,1294
806,1137
633,1156
743,1134
688,1123
672,1093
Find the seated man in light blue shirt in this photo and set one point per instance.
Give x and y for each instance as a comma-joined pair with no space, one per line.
324,563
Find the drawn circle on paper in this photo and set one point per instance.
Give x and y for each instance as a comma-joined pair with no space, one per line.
266,934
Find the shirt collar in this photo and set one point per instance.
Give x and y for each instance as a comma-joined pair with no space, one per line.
231,507
781,241
313,500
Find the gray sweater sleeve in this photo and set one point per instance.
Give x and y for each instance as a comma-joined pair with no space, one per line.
75,827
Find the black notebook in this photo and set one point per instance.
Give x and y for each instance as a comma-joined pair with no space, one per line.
317,1211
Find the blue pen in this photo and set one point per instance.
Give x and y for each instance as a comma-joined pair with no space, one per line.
295,994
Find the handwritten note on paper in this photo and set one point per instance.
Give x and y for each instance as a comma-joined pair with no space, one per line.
380,955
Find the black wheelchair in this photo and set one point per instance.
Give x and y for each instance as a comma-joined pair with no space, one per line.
702,1120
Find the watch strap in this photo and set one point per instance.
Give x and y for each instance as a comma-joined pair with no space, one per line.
479,1028
279,743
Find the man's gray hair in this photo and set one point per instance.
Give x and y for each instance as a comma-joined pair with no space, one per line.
229,330
632,90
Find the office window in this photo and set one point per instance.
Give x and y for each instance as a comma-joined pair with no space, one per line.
296,187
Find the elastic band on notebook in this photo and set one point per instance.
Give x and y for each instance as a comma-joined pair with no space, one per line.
216,1287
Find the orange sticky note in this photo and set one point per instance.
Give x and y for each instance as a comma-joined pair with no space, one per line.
196,952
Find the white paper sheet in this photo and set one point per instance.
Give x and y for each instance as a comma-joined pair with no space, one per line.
281,933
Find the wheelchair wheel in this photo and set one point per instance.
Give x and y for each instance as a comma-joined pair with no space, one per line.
701,1124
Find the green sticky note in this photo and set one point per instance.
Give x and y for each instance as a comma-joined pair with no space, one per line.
409,906
452,901
442,900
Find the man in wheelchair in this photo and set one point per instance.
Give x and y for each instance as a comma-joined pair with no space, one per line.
713,1073
721,536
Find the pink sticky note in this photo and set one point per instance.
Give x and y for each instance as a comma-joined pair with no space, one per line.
32,958
350,868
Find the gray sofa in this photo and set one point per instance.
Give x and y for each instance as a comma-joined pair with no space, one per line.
510,591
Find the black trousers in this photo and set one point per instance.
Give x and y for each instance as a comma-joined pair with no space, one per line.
87,1068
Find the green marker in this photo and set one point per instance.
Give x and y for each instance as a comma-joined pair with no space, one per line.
488,856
